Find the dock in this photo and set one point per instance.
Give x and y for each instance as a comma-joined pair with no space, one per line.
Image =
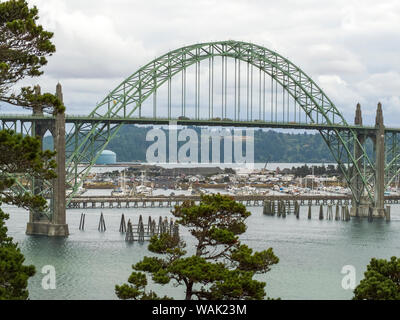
94,202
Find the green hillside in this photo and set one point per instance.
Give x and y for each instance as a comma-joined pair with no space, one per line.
130,145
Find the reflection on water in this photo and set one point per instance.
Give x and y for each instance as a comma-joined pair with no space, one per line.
312,253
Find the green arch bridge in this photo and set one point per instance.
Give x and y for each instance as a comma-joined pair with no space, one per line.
224,83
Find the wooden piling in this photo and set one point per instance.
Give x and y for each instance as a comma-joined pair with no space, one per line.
82,222
387,213
122,225
141,232
129,233
284,208
321,212
337,215
278,208
171,227
139,223
309,212
159,227
102,223
149,222
265,208
347,213
176,231
165,225
329,212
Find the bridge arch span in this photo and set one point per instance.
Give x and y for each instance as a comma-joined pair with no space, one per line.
127,99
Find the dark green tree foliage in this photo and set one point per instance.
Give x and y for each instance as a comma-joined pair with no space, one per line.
381,281
24,46
220,268
305,170
18,155
14,274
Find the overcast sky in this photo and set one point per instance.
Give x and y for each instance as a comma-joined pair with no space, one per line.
350,48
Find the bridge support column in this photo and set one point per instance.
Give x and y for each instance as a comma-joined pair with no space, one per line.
360,205
56,225
363,206
379,146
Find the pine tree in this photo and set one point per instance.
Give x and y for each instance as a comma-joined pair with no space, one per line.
24,46
221,268
381,281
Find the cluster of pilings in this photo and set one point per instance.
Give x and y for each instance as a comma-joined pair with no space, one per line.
341,213
146,231
281,209
140,231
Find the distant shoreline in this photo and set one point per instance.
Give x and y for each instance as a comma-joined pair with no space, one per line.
210,165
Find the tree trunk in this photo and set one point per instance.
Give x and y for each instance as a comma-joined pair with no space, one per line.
189,290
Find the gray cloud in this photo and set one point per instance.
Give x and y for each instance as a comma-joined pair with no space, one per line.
350,48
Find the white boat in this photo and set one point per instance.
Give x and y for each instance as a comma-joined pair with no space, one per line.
246,190
123,190
142,190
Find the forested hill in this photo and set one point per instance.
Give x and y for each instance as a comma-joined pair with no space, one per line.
130,145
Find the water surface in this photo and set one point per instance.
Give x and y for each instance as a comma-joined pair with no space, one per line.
312,253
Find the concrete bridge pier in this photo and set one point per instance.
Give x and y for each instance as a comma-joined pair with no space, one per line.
56,225
363,207
360,207
378,210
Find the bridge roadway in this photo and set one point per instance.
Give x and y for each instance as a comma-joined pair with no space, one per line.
79,119
170,201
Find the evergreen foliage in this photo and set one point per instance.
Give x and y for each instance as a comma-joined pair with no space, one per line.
24,46
19,155
381,281
221,268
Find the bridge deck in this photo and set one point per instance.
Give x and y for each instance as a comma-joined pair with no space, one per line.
195,122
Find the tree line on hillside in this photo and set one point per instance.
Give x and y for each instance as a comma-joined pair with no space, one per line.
269,146
302,171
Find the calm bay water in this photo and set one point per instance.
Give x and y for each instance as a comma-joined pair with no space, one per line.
312,252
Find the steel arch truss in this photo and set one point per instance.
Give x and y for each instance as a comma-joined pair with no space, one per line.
89,139
392,158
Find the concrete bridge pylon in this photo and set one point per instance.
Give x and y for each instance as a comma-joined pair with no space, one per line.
362,206
55,225
379,147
